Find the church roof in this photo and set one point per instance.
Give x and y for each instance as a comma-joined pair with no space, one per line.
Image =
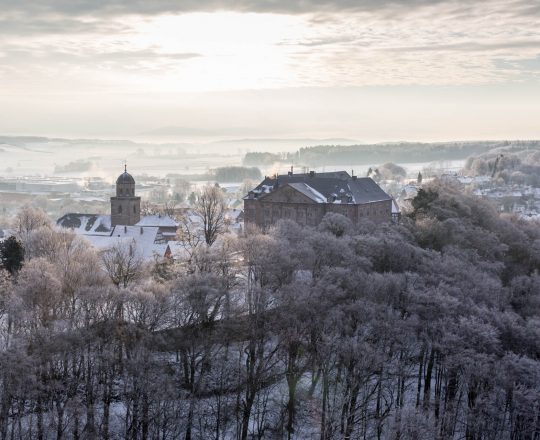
86,224
142,238
125,177
158,220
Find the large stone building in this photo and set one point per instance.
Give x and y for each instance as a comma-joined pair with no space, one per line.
125,207
306,198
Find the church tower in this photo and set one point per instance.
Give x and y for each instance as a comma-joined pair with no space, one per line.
125,207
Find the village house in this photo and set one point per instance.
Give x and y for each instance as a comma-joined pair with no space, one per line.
306,198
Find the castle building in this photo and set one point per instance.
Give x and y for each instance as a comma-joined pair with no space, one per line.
125,207
307,198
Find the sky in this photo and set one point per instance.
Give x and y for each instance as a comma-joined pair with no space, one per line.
369,70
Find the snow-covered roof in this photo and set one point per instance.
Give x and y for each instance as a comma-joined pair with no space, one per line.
395,207
143,238
157,220
308,191
318,186
86,224
233,214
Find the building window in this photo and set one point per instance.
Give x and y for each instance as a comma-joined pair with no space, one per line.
134,209
119,209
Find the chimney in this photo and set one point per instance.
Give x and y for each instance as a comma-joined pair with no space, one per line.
142,230
290,173
125,229
312,174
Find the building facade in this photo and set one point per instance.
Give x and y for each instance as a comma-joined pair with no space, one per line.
125,207
307,198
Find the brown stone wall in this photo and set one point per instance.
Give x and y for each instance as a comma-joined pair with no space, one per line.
125,210
265,213
377,212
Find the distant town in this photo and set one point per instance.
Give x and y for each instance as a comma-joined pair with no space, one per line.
504,172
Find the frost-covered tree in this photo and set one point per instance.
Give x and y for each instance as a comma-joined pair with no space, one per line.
29,219
426,329
123,263
210,211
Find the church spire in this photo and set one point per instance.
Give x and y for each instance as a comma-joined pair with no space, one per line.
125,206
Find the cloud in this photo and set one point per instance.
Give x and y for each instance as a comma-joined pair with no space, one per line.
144,54
470,46
121,56
146,7
321,41
101,16
18,25
105,44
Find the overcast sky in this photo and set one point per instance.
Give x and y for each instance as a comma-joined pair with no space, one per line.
364,69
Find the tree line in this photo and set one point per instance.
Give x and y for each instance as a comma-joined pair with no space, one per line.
427,329
327,155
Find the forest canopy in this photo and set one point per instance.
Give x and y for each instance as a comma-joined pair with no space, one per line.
427,329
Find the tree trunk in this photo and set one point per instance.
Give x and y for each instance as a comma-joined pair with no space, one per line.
420,372
60,417
325,390
292,382
427,379
447,425
189,420
4,410
351,417
144,421
107,392
246,415
39,412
